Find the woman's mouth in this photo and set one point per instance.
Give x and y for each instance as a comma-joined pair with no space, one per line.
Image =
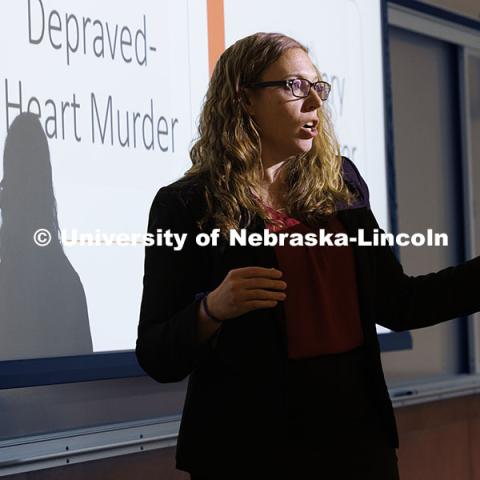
308,131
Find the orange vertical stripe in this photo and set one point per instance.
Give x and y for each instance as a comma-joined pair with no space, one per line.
216,32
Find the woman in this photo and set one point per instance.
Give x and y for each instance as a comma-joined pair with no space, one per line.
279,343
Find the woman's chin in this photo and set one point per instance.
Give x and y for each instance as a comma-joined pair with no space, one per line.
303,146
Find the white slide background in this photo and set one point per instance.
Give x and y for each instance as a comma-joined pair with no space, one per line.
103,186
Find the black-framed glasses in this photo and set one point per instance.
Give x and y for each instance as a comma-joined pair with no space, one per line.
300,87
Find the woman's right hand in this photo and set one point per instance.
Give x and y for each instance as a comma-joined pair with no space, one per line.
246,289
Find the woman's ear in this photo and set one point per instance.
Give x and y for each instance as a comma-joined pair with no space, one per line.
247,100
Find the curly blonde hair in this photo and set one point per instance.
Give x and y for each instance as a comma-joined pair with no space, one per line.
227,153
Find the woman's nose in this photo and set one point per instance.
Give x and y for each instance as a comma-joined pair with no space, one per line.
313,100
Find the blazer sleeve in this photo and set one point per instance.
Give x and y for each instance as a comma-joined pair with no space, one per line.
166,348
406,302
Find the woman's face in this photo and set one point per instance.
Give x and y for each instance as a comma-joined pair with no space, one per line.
279,115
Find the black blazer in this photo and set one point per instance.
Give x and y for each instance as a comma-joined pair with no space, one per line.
236,396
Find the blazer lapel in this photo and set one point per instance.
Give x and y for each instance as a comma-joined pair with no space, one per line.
353,220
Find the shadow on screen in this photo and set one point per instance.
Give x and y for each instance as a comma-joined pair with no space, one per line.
43,309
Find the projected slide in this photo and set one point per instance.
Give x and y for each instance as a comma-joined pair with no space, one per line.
116,89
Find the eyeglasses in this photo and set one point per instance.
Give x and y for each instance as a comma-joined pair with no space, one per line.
300,87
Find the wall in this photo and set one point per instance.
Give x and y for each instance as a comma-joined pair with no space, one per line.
469,8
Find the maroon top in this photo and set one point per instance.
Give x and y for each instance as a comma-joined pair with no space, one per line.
321,306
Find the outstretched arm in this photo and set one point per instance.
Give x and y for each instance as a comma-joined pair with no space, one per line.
405,302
